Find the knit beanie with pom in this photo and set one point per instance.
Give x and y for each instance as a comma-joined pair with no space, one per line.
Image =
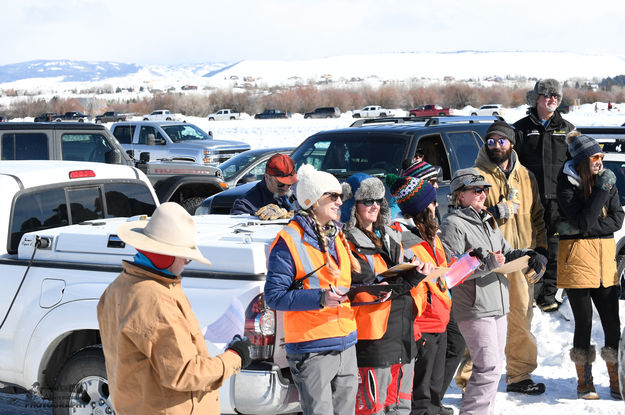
312,184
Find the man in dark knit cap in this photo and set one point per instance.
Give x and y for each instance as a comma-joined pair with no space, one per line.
514,202
541,148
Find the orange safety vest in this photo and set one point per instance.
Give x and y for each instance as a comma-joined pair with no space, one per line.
301,326
424,252
372,319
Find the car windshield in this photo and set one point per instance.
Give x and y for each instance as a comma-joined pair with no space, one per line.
233,165
346,154
184,132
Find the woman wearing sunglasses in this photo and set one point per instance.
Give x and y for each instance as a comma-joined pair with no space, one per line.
309,267
481,301
386,348
417,200
592,213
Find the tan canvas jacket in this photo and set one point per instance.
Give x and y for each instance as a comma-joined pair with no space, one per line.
156,358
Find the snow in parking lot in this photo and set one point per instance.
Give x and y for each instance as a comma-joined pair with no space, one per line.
553,332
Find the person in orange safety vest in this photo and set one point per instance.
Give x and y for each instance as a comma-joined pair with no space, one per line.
386,348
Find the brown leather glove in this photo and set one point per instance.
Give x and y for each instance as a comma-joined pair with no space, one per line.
271,211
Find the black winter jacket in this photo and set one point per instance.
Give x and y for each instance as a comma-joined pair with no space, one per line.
257,197
543,150
398,344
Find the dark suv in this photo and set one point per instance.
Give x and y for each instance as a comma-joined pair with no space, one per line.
380,147
324,112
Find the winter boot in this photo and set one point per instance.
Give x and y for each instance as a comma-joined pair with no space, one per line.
610,355
583,359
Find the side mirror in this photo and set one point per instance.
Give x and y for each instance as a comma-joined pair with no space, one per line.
114,157
131,153
150,140
144,157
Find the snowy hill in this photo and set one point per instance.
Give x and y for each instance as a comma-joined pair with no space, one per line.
461,65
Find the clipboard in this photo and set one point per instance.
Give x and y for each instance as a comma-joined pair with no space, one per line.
397,269
368,293
518,264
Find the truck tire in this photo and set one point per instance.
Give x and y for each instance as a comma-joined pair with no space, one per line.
474,114
168,119
211,119
383,114
146,119
232,118
82,385
356,116
191,204
495,113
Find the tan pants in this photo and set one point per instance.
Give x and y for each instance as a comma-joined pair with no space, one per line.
521,351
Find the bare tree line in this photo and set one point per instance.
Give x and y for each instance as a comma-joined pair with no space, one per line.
305,98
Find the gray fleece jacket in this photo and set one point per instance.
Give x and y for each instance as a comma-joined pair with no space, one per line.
484,293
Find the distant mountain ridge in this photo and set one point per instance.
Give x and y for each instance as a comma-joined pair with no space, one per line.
459,65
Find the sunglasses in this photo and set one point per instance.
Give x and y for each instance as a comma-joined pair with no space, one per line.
501,141
477,190
370,202
333,196
552,95
596,157
280,184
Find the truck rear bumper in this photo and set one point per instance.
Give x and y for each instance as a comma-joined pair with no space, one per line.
264,392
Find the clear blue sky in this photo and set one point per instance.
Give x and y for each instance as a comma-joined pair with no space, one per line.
192,31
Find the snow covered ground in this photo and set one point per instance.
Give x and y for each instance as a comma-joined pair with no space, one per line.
553,332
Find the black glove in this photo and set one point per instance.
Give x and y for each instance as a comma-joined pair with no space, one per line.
542,251
538,263
413,277
241,346
477,253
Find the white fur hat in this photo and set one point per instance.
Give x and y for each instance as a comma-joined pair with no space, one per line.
312,184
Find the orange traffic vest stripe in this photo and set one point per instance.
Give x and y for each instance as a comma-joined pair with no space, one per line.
300,326
372,319
424,252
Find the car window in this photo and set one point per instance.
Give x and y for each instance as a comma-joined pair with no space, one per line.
179,133
40,209
233,165
464,148
86,147
145,130
434,153
124,133
618,168
344,155
25,146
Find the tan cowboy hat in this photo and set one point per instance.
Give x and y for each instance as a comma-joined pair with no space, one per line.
170,231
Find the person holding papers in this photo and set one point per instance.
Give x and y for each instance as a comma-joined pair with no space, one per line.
481,301
416,199
386,348
308,272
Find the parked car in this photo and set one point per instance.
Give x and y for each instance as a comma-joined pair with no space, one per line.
224,114
430,110
272,113
162,115
76,116
489,109
380,147
111,116
249,166
179,141
324,112
3,118
46,117
372,111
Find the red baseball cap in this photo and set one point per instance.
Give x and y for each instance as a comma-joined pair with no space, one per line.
282,168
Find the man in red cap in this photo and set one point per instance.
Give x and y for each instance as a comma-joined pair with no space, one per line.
271,197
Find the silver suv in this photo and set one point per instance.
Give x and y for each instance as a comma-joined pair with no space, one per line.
180,141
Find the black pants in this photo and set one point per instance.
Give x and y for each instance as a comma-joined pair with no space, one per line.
429,370
606,303
545,289
454,352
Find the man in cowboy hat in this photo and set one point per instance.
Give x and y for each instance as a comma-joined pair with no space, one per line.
271,197
156,358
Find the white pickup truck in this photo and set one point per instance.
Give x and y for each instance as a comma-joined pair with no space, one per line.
53,277
224,114
373,111
162,115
